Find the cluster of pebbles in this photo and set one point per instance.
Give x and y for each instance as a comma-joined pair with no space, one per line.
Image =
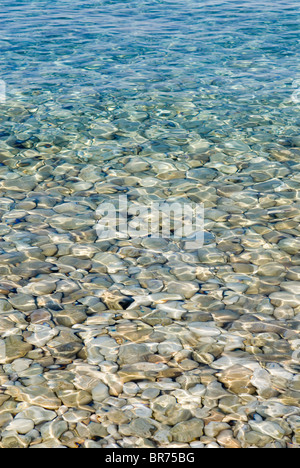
142,342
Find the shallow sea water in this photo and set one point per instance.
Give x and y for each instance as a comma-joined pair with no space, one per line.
134,341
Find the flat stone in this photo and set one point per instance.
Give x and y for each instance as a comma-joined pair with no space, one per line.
211,256
97,430
204,328
69,317
37,414
140,427
132,353
226,439
290,245
11,440
38,395
22,426
74,398
237,379
23,302
14,348
53,429
291,287
41,334
70,223
269,428
213,428
187,431
285,298
203,174
187,289
229,404
100,392
24,184
39,288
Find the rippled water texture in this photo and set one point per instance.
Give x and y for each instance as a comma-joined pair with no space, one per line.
142,342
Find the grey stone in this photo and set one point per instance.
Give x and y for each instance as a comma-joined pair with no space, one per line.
187,431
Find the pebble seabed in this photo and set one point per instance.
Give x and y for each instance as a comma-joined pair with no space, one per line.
143,343
139,342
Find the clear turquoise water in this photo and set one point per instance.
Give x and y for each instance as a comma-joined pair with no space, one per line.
224,56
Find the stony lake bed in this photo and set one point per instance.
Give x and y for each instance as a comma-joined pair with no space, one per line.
142,342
